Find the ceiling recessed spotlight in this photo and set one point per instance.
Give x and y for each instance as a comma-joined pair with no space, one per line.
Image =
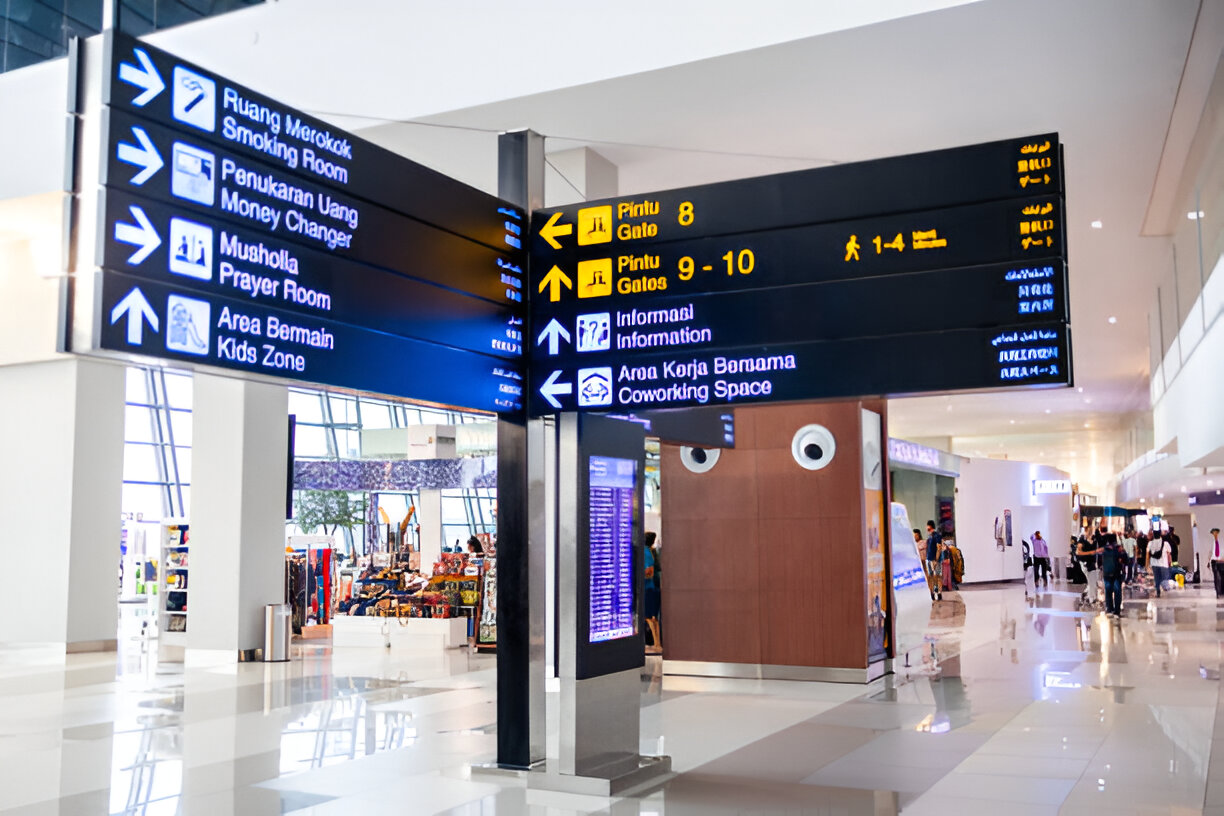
1211,482
1143,501
1195,215
1160,495
1183,488
1096,225
1012,421
1087,424
1112,320
1047,410
1080,389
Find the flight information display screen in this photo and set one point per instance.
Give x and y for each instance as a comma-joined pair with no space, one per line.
613,485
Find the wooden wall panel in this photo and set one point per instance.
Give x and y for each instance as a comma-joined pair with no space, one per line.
759,515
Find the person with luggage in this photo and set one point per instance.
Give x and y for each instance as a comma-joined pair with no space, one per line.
1041,560
1113,565
934,563
1159,560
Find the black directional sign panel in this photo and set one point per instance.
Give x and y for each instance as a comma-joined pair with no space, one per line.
914,267
239,233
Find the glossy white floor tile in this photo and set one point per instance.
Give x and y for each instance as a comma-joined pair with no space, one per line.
1024,706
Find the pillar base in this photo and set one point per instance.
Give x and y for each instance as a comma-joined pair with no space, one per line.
85,646
651,772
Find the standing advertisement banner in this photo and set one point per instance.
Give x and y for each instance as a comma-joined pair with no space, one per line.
874,520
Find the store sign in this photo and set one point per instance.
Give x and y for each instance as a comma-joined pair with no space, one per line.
242,234
1042,487
901,452
818,280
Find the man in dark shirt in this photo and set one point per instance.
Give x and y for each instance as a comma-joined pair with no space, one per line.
1174,542
934,566
1113,563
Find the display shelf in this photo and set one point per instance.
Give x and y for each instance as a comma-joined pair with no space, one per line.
175,549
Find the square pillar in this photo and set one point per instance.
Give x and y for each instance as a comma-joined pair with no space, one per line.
61,481
237,513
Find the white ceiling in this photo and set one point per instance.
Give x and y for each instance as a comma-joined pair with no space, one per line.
798,84
1103,73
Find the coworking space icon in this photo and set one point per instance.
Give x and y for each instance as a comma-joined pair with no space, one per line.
594,386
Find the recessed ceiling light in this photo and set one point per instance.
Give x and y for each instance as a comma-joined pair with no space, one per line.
1012,421
1211,482
1047,410
1096,225
1080,389
1087,424
1143,501
1160,495
1112,319
1195,215
1183,488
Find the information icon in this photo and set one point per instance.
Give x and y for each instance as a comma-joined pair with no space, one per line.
595,332
195,99
187,322
193,176
191,248
594,386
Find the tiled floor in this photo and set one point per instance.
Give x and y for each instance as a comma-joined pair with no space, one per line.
1025,707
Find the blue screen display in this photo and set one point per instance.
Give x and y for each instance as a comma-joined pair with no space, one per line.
613,484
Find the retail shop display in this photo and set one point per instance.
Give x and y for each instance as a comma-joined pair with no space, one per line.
174,588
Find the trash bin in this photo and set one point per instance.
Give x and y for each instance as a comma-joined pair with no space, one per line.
277,623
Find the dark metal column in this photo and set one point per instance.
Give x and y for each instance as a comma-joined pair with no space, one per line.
520,516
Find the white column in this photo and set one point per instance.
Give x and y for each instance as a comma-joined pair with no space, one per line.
429,516
61,477
237,513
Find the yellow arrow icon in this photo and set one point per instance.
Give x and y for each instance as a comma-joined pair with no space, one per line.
553,281
551,231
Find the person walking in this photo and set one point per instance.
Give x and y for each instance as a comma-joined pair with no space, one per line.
1217,562
653,597
1041,560
1173,541
1130,546
1088,553
1158,559
933,561
1113,564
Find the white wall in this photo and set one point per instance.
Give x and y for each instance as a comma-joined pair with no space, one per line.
985,489
34,110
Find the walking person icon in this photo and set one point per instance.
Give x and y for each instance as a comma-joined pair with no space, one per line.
852,248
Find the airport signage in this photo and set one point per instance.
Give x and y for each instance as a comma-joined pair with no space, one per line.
297,251
934,272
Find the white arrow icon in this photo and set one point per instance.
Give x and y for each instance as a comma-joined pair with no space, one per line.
138,310
141,234
144,76
553,332
551,388
144,156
